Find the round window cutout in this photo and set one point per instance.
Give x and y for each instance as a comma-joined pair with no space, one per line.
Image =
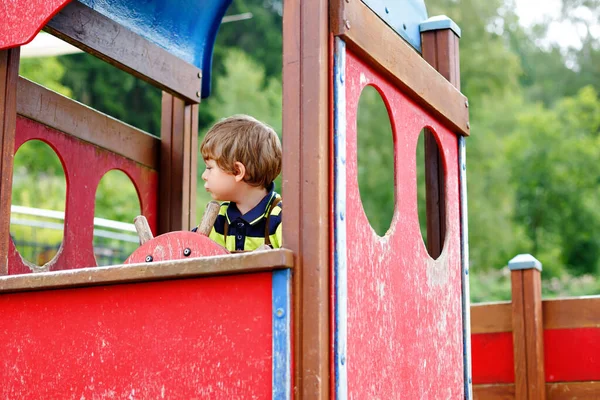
375,144
117,204
431,193
37,214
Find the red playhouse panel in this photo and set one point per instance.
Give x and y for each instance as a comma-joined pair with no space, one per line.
23,19
492,358
572,354
84,166
404,317
181,339
175,246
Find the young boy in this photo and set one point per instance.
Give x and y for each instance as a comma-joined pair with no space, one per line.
243,158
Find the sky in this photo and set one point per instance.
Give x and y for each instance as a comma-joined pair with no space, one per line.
563,33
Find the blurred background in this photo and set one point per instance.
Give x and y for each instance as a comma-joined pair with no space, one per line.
531,71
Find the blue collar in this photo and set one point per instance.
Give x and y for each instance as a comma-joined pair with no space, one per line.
254,215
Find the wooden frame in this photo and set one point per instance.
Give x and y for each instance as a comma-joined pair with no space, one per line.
306,188
365,33
179,160
554,391
75,119
175,269
9,73
94,33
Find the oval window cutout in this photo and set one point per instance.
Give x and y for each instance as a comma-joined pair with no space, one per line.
117,204
38,202
431,196
375,160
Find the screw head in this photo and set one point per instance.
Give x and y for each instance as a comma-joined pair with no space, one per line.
347,24
187,252
467,103
149,258
198,94
468,125
199,74
387,10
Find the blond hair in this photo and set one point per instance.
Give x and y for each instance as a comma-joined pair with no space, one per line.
241,138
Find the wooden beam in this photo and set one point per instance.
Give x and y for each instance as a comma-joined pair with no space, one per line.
491,318
555,391
306,187
174,269
9,73
96,34
571,313
75,119
178,161
519,334
494,392
365,33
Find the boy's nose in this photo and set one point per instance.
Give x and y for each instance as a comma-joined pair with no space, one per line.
204,175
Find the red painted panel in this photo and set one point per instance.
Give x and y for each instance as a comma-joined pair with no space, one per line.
182,339
23,19
572,354
404,308
492,358
171,246
84,166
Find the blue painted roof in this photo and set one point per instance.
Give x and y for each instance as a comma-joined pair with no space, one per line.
403,16
185,28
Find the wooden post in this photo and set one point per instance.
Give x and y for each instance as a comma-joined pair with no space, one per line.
9,74
178,165
439,41
528,330
306,188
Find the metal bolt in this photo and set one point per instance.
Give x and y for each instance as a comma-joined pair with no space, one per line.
187,252
198,94
347,24
149,258
387,10
199,74
467,103
468,125
279,312
404,26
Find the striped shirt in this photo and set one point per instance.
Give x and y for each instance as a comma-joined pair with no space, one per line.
247,232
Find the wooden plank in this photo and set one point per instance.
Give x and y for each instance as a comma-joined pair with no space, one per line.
61,113
519,334
491,318
306,187
366,34
441,51
96,34
573,390
572,313
9,73
532,296
494,392
174,269
555,391
179,144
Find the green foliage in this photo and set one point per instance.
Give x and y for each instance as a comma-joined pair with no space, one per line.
47,72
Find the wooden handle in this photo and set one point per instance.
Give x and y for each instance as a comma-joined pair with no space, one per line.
143,229
208,219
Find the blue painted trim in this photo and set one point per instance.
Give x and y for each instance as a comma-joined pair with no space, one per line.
185,28
438,23
339,198
464,251
404,17
282,356
524,261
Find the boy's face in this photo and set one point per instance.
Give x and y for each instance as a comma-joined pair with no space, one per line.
220,184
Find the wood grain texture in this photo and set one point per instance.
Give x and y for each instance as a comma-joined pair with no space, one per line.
555,391
491,318
9,72
532,290
178,165
572,313
61,113
96,34
519,334
494,392
306,187
365,33
186,268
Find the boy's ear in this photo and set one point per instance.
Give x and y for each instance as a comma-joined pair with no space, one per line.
240,171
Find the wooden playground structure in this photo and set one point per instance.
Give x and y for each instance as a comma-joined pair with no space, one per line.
339,312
